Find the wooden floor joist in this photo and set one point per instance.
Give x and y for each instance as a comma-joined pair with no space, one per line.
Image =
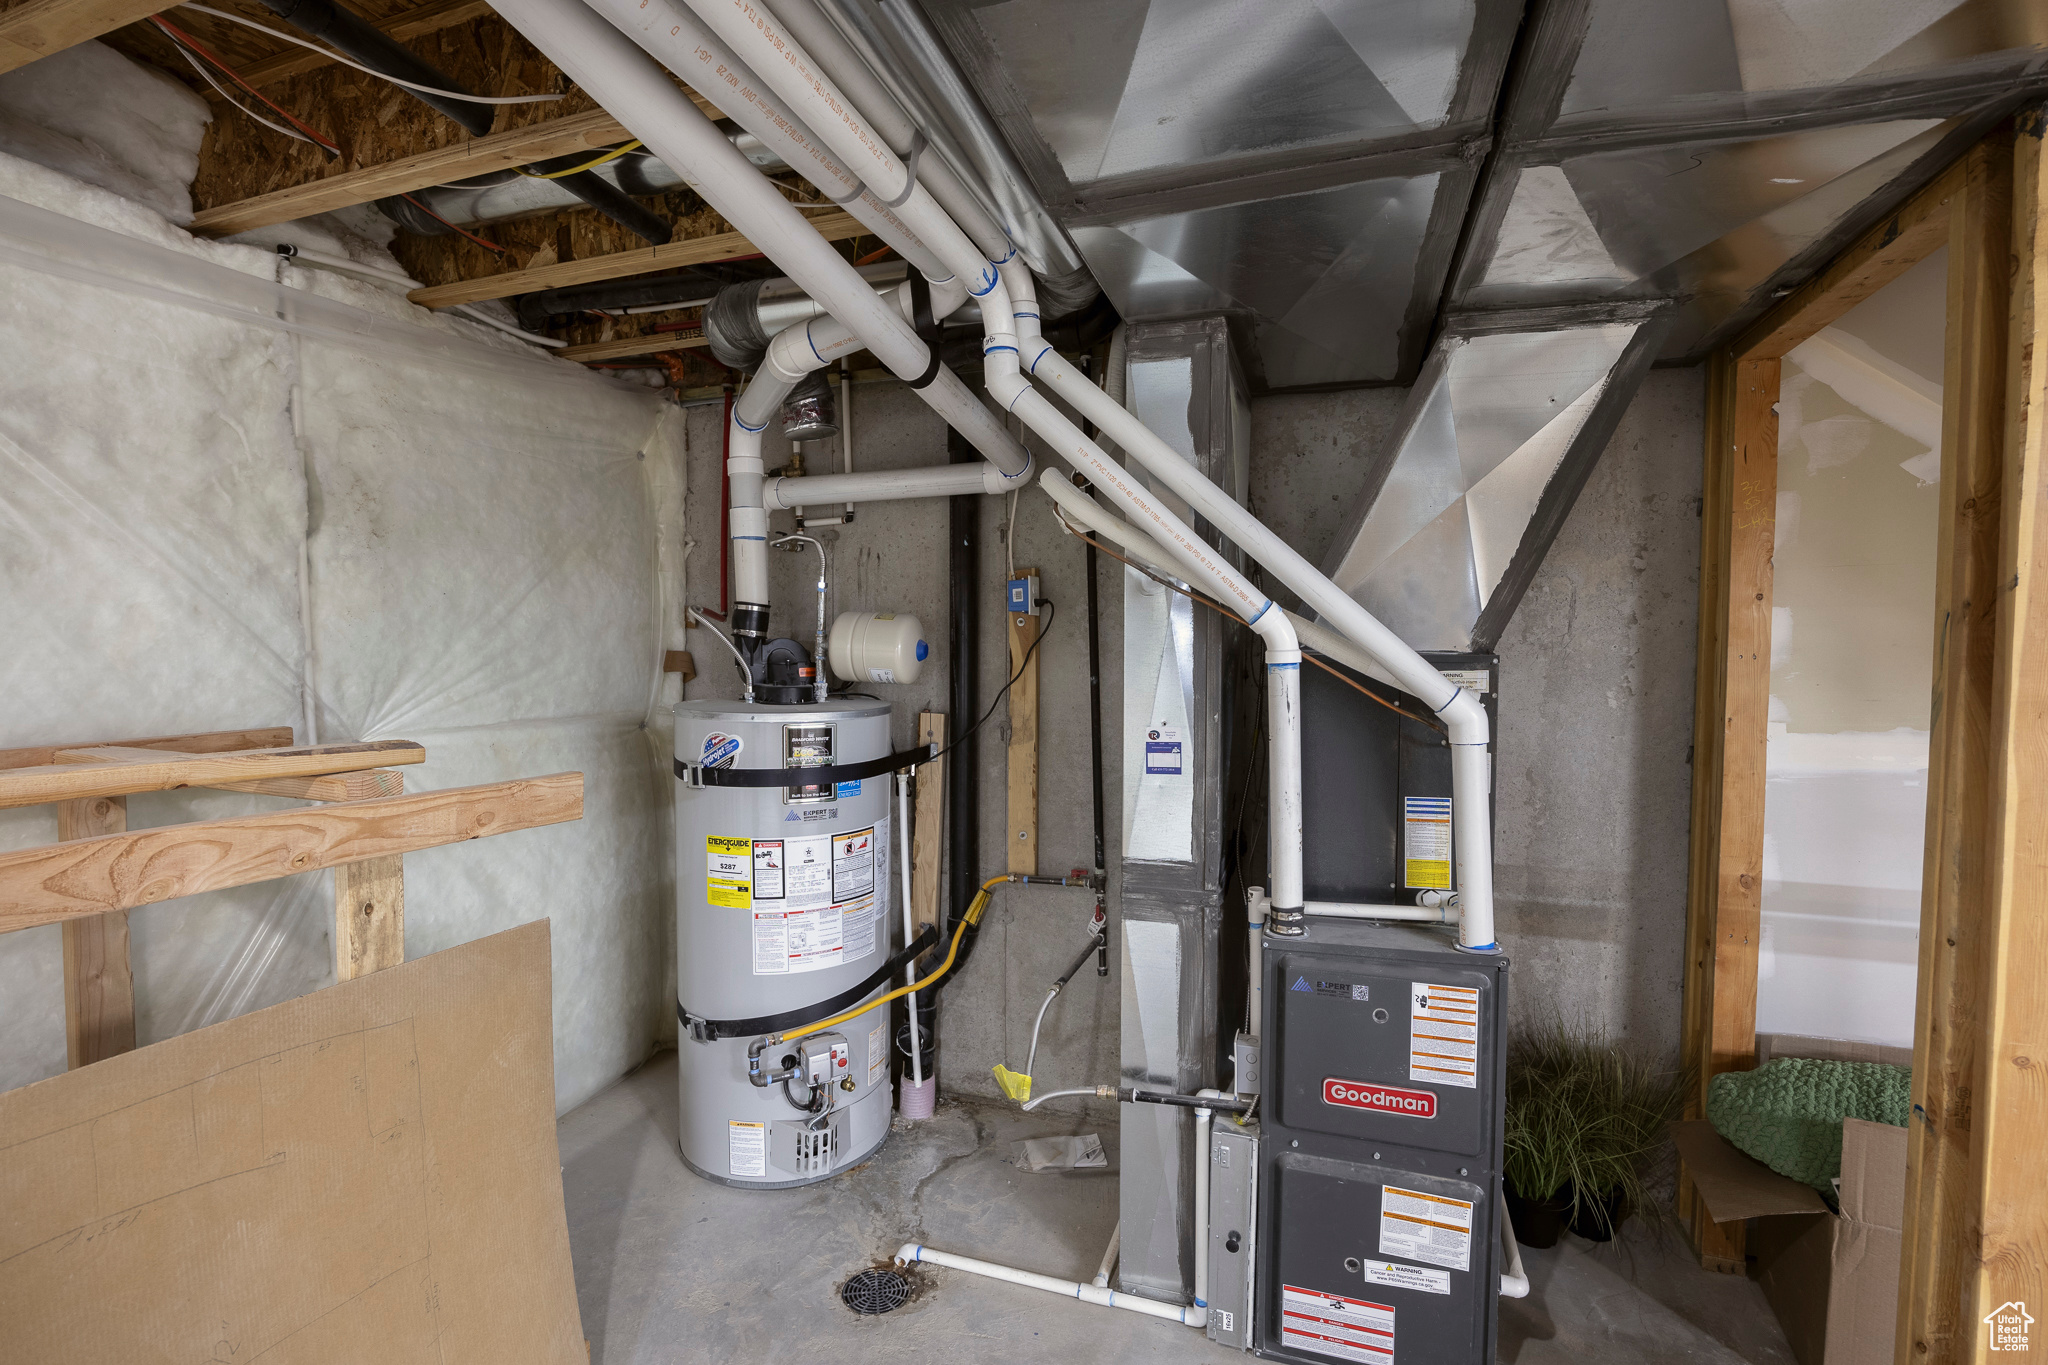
622,347
66,881
833,227
414,23
498,152
40,27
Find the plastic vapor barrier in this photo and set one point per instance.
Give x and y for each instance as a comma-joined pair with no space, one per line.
464,544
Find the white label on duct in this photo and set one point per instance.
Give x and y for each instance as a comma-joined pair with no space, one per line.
746,1146
1425,1227
1394,1275
830,903
1471,679
1443,1035
878,1052
1335,1326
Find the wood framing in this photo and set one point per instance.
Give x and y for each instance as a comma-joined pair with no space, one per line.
623,347
724,246
1976,1212
1956,882
99,981
369,916
1021,837
120,871
118,771
39,27
212,742
413,23
930,824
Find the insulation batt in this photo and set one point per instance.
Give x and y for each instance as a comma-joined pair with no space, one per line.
463,544
96,116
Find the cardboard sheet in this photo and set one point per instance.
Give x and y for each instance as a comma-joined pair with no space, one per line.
1733,1184
368,1173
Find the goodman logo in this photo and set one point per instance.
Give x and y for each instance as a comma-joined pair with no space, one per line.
1380,1099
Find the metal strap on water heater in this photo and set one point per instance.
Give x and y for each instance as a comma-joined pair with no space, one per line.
710,1030
697,777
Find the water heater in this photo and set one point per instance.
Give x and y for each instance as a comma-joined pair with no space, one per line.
782,917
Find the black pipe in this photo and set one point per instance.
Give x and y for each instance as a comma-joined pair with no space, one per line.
1228,1104
963,824
607,198
695,282
348,31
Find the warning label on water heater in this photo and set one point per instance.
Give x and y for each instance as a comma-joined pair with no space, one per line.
1426,841
817,900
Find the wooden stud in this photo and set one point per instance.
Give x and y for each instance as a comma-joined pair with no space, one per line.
620,348
114,771
930,820
218,741
833,227
369,916
1956,882
1022,834
37,28
359,786
679,661
99,985
120,871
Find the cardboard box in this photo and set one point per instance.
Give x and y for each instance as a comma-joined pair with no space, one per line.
367,1173
1832,1279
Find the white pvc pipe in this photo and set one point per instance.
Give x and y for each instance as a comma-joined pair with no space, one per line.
1442,913
1072,1289
885,485
678,40
635,90
1109,1254
1464,716
1514,1280
909,921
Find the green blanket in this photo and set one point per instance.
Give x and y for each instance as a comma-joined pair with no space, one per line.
1788,1113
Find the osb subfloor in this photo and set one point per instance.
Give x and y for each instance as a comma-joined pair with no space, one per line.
671,1268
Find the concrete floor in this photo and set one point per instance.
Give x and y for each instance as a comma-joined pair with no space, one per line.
675,1269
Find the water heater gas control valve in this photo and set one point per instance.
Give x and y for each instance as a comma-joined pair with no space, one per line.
826,1059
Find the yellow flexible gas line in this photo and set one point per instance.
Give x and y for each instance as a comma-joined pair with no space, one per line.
613,155
973,916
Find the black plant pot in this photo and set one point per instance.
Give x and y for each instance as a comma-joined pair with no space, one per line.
1598,1216
1538,1222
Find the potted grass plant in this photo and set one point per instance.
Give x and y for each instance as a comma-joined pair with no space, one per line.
1585,1120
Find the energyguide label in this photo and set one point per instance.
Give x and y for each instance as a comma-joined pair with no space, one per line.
1332,1325
1426,841
1443,1035
817,900
1425,1227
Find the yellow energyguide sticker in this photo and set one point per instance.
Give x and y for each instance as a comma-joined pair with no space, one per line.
729,872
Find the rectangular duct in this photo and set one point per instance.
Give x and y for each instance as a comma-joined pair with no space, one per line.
1182,379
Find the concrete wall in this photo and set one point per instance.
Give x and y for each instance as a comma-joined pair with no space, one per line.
1596,690
1592,786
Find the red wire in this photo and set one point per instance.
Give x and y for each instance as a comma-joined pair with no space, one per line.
189,41
488,246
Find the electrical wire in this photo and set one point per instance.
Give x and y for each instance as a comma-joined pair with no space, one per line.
307,132
1022,664
220,89
613,155
973,916
1219,608
462,95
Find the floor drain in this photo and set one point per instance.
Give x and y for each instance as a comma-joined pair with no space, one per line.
875,1291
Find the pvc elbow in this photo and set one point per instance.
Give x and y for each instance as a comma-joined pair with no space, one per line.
1006,386
1272,626
994,480
1465,717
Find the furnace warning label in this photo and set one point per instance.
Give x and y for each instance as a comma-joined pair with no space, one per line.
827,900
1332,1325
1425,1227
746,1146
1426,841
1443,1035
1394,1275
728,872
